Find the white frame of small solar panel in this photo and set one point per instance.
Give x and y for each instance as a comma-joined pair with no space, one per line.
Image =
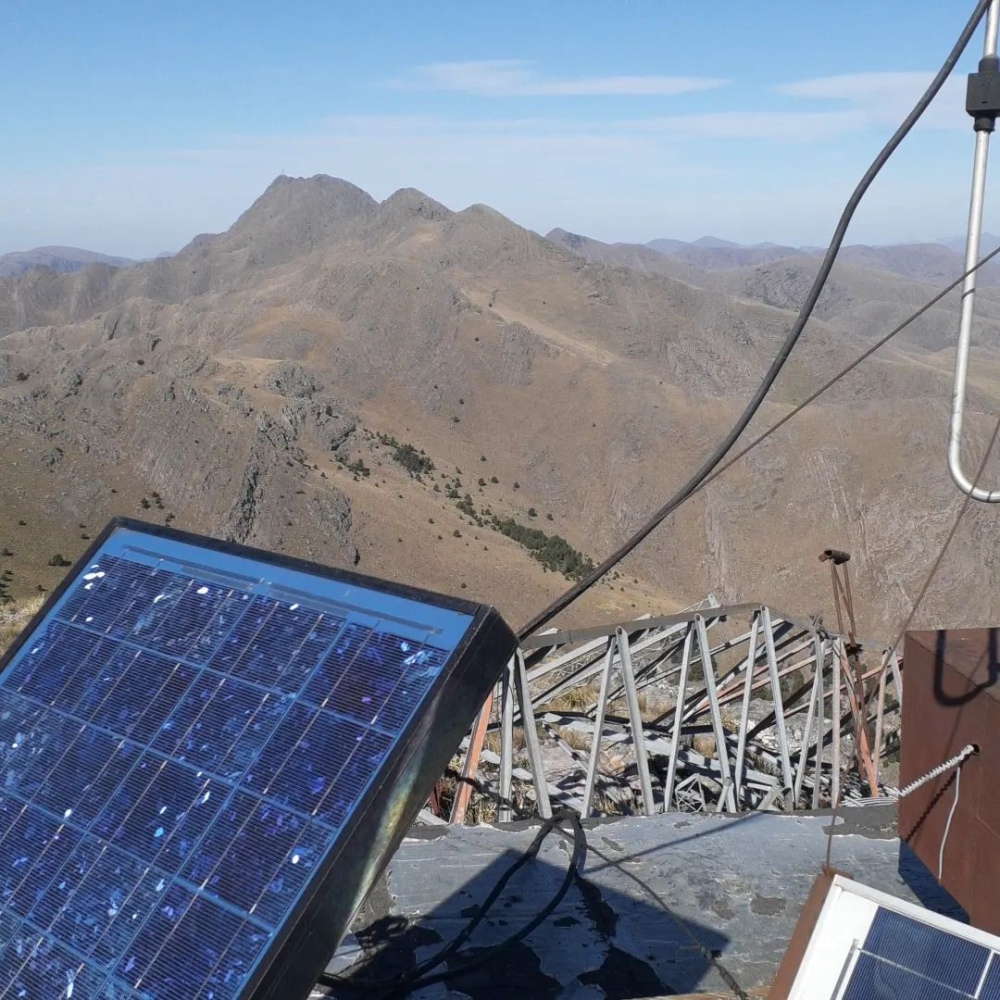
843,923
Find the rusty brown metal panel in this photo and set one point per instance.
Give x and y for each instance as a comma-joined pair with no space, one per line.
988,800
953,699
984,864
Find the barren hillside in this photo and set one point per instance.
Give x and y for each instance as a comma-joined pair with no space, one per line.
426,394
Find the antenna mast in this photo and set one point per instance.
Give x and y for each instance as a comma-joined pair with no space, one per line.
983,103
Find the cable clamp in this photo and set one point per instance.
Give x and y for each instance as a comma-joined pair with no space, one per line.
982,96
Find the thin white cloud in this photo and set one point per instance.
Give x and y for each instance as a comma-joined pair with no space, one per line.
519,78
861,87
886,97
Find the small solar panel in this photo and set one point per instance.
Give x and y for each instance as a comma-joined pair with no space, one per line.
207,753
868,945
916,959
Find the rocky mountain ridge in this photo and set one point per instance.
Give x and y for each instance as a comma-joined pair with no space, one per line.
453,401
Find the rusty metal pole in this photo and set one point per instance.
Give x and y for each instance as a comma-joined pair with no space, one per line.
853,649
463,793
834,557
855,677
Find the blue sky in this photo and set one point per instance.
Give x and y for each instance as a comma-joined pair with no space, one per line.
129,128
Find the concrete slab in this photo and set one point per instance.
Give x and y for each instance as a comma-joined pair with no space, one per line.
735,883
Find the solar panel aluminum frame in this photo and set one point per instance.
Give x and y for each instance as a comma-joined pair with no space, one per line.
845,918
309,936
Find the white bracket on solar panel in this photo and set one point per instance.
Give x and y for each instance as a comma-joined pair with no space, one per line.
868,945
206,754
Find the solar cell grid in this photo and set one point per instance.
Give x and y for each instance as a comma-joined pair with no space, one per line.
876,979
178,756
991,982
907,958
926,950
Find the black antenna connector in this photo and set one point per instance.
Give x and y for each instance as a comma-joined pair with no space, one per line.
982,98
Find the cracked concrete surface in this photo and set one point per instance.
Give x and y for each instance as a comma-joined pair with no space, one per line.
737,883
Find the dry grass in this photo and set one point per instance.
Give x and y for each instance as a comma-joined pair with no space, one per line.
652,703
574,738
8,633
730,719
13,619
650,707
576,699
493,740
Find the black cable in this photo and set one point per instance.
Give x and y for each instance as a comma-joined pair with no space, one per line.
864,356
722,449
421,976
576,861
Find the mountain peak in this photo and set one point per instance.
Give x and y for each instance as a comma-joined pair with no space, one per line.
567,239
297,214
988,242
333,186
409,203
321,199
481,211
713,242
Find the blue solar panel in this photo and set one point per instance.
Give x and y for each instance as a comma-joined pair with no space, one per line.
184,736
876,979
991,984
906,958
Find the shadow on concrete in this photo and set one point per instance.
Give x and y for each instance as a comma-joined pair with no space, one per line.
926,887
726,823
597,943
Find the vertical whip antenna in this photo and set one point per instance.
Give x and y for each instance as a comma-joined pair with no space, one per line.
983,103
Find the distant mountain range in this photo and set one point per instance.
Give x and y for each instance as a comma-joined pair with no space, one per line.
934,263
922,261
989,243
65,260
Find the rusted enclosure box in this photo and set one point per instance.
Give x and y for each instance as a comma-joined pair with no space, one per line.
951,684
